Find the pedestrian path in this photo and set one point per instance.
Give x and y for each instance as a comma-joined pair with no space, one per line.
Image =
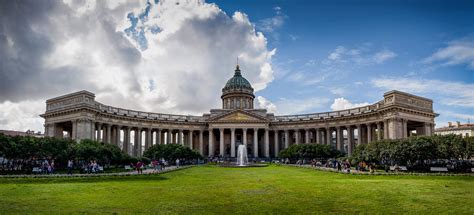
129,173
355,172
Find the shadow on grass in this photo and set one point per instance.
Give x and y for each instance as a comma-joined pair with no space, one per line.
97,179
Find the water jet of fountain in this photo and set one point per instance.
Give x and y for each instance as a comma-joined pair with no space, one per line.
242,159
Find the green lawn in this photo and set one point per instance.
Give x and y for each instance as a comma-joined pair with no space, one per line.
211,189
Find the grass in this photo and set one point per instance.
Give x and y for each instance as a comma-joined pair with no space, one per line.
211,189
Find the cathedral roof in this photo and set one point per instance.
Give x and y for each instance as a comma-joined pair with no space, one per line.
237,82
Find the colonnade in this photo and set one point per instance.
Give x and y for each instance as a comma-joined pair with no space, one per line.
263,142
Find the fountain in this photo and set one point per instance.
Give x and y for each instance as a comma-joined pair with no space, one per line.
242,158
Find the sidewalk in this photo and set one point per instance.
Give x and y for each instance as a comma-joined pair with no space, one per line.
130,173
355,172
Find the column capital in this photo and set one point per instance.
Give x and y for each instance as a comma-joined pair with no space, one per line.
244,129
232,129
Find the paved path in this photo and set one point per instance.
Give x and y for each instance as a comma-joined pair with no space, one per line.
145,172
355,172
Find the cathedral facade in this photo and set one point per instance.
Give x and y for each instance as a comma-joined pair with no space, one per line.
218,133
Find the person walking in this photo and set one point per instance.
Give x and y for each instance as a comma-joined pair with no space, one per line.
69,167
139,167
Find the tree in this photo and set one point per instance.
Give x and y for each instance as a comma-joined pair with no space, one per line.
171,152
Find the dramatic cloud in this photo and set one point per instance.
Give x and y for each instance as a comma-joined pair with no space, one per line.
457,52
262,102
172,56
22,116
342,103
449,93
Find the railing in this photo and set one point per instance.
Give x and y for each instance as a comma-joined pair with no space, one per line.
190,118
325,115
147,115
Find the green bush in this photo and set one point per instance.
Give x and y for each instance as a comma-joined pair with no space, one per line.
171,152
310,151
415,150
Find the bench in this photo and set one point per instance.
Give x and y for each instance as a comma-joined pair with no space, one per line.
472,169
100,169
400,168
438,169
128,167
37,170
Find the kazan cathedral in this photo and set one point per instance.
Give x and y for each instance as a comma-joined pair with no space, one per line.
218,133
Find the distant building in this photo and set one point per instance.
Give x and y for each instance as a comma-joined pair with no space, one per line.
465,130
21,133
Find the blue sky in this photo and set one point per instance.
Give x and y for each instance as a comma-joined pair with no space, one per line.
305,33
174,56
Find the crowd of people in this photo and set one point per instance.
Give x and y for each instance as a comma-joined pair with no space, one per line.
48,167
336,164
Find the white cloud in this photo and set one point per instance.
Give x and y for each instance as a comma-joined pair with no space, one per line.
362,56
22,116
383,56
342,104
262,102
190,53
271,24
450,93
299,106
457,52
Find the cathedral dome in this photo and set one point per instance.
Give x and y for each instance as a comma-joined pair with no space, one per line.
237,82
237,92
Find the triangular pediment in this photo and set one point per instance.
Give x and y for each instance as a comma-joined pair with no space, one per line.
238,115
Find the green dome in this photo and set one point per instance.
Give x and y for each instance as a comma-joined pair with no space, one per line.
237,82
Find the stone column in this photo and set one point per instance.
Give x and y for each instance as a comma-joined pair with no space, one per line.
74,130
350,134
287,143
109,134
232,142
277,144
126,140
306,136
99,132
170,136
180,137
190,139
201,142
138,142
211,143
338,138
149,139
318,138
297,136
117,139
267,143
359,134
404,127
386,129
379,131
245,136
328,136
255,142
158,137
369,133
221,142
